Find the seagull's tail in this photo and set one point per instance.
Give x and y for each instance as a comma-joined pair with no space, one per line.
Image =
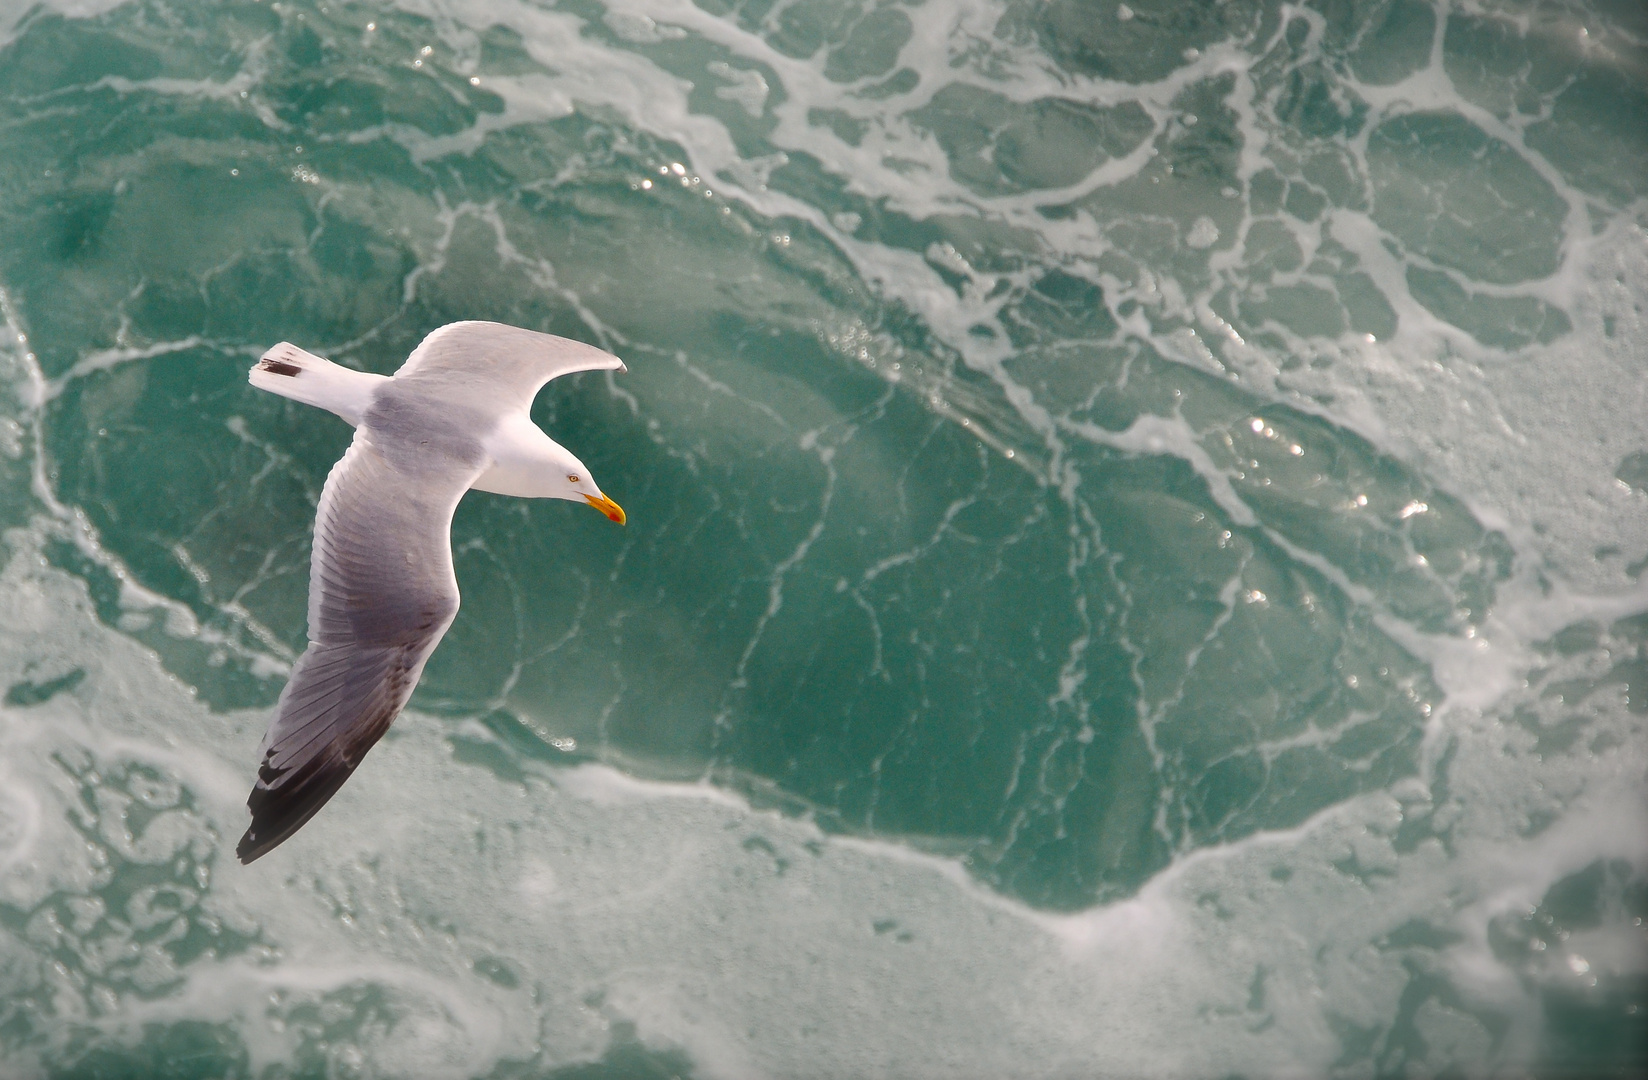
302,376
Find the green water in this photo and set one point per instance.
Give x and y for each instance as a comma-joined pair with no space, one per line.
1088,466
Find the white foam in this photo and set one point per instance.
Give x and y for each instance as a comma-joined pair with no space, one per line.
704,923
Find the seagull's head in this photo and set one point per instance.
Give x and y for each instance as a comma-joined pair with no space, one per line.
579,483
574,483
528,464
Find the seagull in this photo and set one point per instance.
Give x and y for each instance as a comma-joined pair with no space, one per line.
381,586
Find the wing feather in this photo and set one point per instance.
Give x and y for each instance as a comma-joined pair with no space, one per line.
381,594
497,367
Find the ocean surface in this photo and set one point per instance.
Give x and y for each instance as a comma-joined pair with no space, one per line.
1138,523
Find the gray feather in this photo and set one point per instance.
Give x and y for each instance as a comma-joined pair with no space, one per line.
381,594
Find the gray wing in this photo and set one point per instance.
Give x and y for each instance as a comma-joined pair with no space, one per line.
381,594
495,367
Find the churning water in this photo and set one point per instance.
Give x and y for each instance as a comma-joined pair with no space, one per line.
1138,523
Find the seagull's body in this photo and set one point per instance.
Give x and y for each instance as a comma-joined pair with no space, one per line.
381,587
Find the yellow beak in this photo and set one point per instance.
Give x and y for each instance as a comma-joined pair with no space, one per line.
606,506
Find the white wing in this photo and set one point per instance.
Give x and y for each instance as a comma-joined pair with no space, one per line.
381,595
493,367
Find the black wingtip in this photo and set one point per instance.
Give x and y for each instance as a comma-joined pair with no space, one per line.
250,849
278,367
278,813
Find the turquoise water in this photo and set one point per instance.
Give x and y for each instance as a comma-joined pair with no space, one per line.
1137,524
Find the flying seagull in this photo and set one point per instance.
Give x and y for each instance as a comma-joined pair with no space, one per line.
381,586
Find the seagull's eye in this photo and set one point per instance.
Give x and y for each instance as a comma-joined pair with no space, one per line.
572,478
